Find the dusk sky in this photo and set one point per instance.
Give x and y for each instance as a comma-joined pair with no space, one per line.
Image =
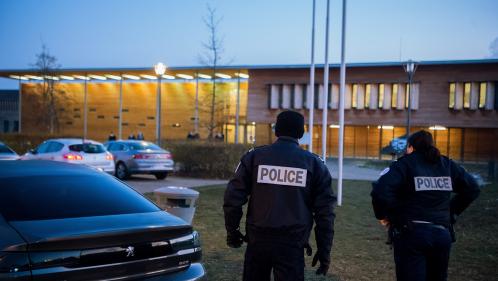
126,33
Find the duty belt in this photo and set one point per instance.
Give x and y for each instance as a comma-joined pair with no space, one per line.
430,224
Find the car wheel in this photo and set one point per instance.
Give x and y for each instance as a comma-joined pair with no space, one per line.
121,171
161,175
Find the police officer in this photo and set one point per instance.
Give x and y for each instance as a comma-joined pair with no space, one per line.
287,188
413,196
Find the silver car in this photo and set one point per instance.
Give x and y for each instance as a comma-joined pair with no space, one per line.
140,157
6,153
76,151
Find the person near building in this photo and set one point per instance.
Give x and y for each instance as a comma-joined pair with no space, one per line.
413,197
287,189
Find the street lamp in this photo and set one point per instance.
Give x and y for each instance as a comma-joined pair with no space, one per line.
410,67
159,68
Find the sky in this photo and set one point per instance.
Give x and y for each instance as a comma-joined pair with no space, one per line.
139,33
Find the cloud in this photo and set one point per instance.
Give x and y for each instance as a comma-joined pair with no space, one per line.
493,48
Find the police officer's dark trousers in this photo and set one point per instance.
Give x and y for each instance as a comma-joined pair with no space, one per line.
421,253
285,259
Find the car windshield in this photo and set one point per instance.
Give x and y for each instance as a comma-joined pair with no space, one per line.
4,149
87,148
71,196
143,146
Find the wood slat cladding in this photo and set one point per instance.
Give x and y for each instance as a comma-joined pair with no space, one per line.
433,94
139,107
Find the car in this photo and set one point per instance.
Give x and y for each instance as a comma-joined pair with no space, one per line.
60,221
140,157
76,151
6,153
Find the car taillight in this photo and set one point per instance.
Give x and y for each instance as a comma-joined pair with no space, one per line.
139,156
168,156
71,156
109,156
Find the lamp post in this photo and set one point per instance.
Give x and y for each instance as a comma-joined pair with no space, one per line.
410,67
159,68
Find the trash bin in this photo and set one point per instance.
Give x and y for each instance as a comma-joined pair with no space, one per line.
178,201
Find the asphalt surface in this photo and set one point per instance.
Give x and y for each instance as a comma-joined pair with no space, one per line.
148,183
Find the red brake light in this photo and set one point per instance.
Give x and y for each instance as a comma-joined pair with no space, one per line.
71,156
168,156
109,156
139,156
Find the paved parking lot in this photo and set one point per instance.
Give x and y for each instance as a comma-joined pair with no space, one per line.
148,183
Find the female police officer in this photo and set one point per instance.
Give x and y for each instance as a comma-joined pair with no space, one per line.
414,197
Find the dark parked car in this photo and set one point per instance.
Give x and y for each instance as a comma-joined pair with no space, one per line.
6,153
60,221
140,157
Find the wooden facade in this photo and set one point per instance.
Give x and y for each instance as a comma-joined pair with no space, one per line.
468,134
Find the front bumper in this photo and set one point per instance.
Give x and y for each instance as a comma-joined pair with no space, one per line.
195,272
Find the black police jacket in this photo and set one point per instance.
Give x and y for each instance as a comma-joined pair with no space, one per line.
416,190
287,187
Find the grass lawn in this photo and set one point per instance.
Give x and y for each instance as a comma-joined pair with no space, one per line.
359,251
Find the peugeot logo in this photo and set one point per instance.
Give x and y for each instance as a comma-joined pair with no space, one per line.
130,251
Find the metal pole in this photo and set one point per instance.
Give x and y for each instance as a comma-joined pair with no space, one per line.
120,125
158,111
237,110
196,111
341,103
19,108
325,88
85,109
312,82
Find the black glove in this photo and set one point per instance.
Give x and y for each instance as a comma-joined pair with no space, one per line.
235,239
309,250
324,264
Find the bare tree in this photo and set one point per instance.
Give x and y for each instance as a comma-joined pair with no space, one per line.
212,57
47,67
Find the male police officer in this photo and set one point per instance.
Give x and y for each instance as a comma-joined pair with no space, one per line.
287,188
414,197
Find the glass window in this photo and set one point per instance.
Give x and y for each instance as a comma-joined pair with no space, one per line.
451,103
143,146
381,95
466,95
367,95
42,148
354,101
16,126
87,148
394,96
5,149
482,94
5,126
55,146
112,146
68,196
407,95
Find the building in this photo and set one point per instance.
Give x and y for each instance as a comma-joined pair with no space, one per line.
456,100
9,111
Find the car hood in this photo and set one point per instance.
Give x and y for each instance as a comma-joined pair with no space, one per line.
99,231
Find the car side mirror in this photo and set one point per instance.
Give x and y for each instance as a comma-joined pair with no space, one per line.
33,151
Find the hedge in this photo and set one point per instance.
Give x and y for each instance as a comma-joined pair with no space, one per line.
206,159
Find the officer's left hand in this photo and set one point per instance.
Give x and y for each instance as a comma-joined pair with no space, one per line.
323,268
235,239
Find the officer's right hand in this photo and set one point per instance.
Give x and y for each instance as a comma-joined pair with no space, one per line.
324,266
235,239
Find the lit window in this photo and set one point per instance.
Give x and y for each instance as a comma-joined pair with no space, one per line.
466,95
451,103
367,96
482,95
394,96
354,102
407,95
381,95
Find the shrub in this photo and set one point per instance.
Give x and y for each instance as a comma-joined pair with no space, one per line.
206,159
